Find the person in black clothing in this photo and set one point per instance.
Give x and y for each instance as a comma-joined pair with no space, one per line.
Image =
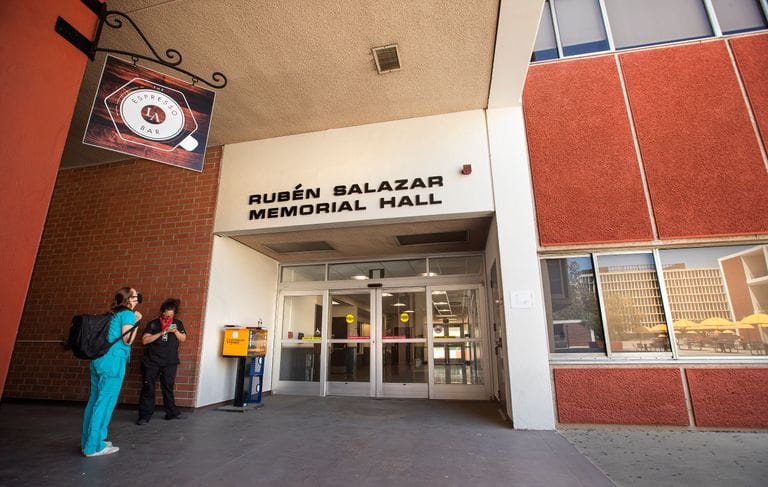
161,358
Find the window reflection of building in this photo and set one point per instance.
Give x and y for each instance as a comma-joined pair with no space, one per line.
695,294
746,279
632,296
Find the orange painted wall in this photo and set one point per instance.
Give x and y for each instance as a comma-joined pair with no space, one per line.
586,178
134,223
705,173
731,398
649,396
39,86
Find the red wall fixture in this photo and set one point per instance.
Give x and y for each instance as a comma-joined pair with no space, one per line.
729,398
586,177
39,83
705,172
648,396
133,223
753,66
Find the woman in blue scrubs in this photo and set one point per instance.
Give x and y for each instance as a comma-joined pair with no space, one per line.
107,374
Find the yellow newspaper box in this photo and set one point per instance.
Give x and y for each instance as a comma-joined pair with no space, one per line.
245,342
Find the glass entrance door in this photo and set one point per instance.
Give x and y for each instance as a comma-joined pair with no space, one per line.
351,314
421,342
401,347
457,341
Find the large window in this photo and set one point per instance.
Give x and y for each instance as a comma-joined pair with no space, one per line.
702,302
571,304
718,298
576,27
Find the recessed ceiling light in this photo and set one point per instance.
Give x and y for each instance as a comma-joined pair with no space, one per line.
386,295
399,304
409,311
428,274
360,277
440,302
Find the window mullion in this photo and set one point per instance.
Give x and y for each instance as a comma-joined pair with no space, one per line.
556,28
607,25
716,30
665,303
600,302
764,5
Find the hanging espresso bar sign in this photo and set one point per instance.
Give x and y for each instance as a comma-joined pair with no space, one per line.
300,201
147,114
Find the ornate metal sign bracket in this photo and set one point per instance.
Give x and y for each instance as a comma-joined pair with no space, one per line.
114,19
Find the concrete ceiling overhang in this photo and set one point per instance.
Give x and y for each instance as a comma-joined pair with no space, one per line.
372,241
298,66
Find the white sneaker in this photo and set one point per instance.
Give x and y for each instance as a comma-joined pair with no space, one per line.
106,443
108,450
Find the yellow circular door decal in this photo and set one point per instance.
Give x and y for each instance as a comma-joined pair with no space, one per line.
350,318
405,317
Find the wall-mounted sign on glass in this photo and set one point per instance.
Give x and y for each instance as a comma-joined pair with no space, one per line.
143,113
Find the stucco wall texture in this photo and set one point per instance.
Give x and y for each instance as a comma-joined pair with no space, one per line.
698,148
649,396
135,223
586,178
753,66
734,398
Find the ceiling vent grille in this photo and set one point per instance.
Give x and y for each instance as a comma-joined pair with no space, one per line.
387,58
433,238
293,247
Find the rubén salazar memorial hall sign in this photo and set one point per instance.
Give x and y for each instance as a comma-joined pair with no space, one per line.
301,201
151,115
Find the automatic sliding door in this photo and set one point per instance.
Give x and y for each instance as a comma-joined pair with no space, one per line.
349,344
403,359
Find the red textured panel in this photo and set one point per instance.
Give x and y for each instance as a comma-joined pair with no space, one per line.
734,398
753,66
703,164
620,396
586,178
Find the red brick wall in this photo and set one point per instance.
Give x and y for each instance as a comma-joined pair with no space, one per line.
705,175
135,223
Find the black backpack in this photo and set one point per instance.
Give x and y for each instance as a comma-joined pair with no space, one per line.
88,336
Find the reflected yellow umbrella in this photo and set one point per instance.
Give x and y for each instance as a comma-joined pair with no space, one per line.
756,319
659,328
642,329
683,324
716,321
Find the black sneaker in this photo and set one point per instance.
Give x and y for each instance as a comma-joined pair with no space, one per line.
178,416
142,421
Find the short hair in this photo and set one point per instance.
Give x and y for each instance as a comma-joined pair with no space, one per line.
170,303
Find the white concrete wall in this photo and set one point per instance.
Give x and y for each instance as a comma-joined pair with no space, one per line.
405,149
242,290
526,336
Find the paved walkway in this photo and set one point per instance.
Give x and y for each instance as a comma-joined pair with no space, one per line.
676,458
363,442
293,441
